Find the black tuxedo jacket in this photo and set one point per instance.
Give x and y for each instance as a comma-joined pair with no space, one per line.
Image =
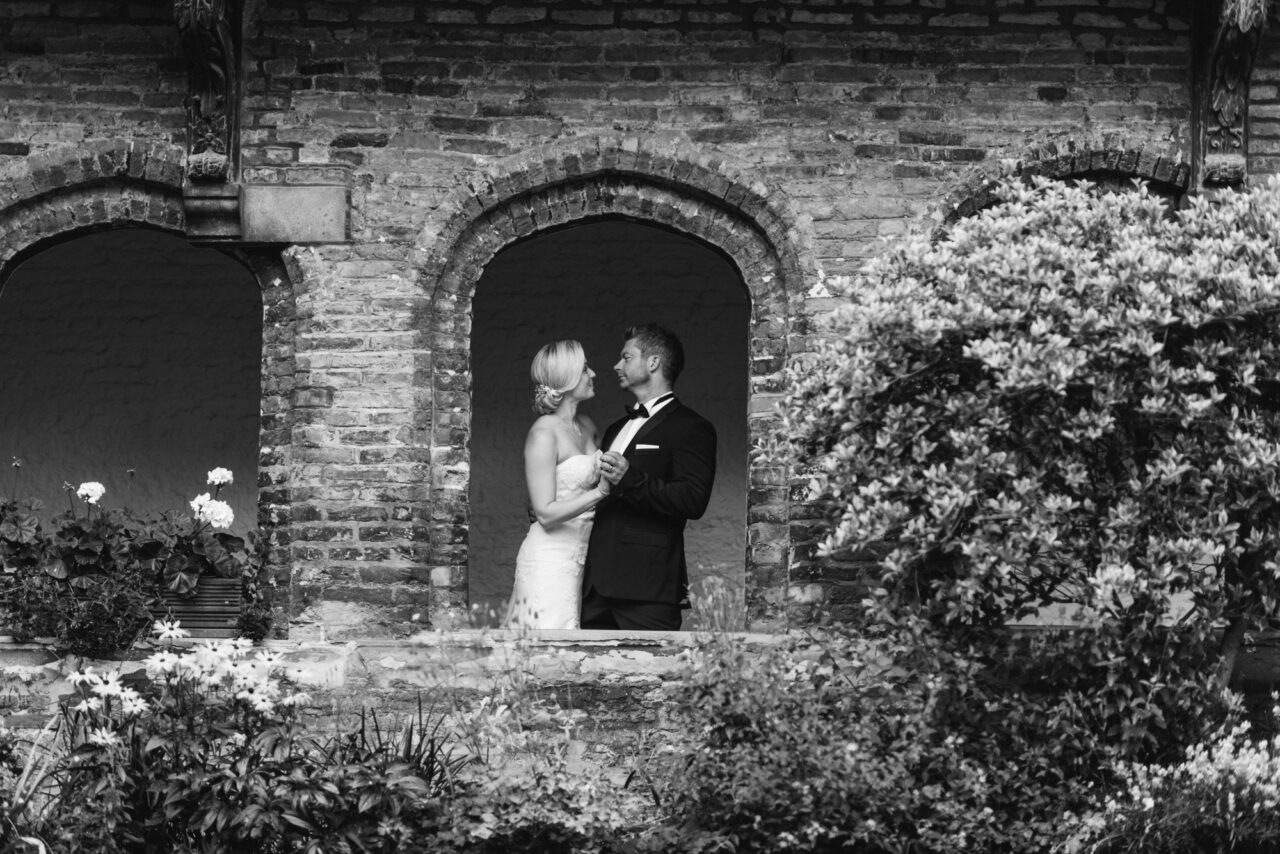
637,541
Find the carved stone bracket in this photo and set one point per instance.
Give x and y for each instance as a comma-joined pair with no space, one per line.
1224,91
209,31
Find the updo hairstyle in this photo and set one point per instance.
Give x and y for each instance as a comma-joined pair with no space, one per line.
556,369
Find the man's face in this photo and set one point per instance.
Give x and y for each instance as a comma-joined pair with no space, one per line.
632,368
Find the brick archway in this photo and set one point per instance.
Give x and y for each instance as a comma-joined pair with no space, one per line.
1167,174
709,200
71,191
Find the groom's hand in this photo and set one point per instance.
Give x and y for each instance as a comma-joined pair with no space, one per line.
613,466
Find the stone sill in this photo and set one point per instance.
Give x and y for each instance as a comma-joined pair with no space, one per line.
388,673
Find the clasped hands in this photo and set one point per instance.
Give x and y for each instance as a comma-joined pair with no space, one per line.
612,467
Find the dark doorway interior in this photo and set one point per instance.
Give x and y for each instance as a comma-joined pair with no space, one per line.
590,282
130,349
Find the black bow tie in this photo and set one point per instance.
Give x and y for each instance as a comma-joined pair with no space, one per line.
637,410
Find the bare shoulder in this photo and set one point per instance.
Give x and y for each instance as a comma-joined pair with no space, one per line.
541,432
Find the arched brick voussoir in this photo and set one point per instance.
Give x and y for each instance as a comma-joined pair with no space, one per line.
1166,170
26,226
569,174
94,184
58,169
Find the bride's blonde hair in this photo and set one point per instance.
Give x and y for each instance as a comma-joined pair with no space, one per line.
556,370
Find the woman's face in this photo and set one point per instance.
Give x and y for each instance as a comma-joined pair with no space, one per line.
586,387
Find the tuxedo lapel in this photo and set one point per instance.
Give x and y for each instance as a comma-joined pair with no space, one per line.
649,426
610,432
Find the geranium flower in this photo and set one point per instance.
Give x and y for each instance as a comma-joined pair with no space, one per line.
212,511
220,477
90,492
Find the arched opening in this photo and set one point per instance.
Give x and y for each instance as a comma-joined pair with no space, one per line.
129,349
589,281
574,183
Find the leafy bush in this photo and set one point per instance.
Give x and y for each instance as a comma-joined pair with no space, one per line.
1067,400
212,756
90,579
1223,796
836,741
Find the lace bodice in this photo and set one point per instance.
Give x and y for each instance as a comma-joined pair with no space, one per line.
577,474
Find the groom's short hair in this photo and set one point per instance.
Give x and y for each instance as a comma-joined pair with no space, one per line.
654,339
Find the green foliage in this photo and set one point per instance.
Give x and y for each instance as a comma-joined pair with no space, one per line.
1068,398
89,579
1223,795
213,753
211,757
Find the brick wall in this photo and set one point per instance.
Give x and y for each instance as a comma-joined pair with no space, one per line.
788,135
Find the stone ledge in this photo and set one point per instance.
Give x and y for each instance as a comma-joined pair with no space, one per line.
391,674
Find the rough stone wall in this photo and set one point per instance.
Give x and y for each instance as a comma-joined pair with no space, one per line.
838,123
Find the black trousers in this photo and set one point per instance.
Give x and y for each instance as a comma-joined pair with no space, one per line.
603,612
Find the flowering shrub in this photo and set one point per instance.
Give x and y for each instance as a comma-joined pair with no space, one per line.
88,581
891,744
1068,398
1223,796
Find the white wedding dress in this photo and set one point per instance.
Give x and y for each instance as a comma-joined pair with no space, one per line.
548,585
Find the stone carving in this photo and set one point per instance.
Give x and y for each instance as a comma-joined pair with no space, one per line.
207,32
1230,64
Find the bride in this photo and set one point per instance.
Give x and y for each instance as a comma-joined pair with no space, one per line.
562,470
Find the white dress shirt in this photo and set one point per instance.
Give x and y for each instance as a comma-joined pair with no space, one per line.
629,430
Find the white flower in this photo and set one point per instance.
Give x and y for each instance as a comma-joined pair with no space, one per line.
161,663
91,491
84,677
104,737
132,703
262,704
109,686
212,511
220,477
169,630
91,704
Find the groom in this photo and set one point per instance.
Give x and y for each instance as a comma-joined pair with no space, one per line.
660,461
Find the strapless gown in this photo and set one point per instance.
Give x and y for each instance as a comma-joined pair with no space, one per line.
548,584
